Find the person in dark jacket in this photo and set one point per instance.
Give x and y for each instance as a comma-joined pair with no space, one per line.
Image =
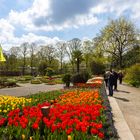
115,79
110,83
120,76
106,76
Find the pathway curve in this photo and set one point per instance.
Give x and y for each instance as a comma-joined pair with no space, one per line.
128,99
26,89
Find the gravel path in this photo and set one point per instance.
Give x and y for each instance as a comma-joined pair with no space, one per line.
26,89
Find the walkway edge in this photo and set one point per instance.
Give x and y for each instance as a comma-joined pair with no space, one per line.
119,122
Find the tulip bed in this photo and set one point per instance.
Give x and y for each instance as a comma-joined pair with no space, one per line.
8,103
75,114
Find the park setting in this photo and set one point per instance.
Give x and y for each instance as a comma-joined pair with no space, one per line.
69,70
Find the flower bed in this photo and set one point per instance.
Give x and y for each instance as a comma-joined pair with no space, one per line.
81,121
91,83
77,114
8,103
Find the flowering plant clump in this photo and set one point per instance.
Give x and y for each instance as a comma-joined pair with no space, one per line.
75,114
8,103
91,83
78,97
80,121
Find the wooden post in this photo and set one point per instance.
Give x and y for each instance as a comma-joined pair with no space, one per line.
45,111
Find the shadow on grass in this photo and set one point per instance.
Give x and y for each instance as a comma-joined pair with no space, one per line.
123,99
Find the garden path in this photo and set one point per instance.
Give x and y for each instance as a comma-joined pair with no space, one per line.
26,89
128,99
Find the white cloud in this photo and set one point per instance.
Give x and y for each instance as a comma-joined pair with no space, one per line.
100,8
31,38
42,9
6,30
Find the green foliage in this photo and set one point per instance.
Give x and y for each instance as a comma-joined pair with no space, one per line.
4,82
58,81
66,79
97,67
35,81
117,37
132,56
27,77
80,77
24,79
49,71
133,75
57,76
44,96
77,58
42,67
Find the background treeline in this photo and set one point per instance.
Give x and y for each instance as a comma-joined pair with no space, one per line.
116,46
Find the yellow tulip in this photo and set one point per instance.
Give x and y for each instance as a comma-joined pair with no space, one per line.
69,137
31,138
23,137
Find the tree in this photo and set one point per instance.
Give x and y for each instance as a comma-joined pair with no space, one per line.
42,67
133,56
88,49
12,59
77,58
32,49
24,52
73,45
61,49
97,67
117,38
47,53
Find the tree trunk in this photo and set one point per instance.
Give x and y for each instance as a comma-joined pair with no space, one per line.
78,63
23,69
61,65
120,61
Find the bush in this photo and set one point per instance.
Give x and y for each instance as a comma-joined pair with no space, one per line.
44,80
42,67
35,81
2,81
10,84
97,68
133,75
49,72
27,77
66,79
80,77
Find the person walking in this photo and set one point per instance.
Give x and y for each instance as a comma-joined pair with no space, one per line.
110,83
106,76
115,80
120,76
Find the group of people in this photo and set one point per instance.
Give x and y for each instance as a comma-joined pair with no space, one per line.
111,78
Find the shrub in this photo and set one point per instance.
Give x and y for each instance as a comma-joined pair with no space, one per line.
35,81
133,75
44,80
10,84
28,77
42,67
2,81
97,68
49,72
80,77
66,79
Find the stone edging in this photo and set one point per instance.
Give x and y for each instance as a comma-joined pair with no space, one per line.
119,122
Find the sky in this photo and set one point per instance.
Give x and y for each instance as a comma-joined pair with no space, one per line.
50,21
